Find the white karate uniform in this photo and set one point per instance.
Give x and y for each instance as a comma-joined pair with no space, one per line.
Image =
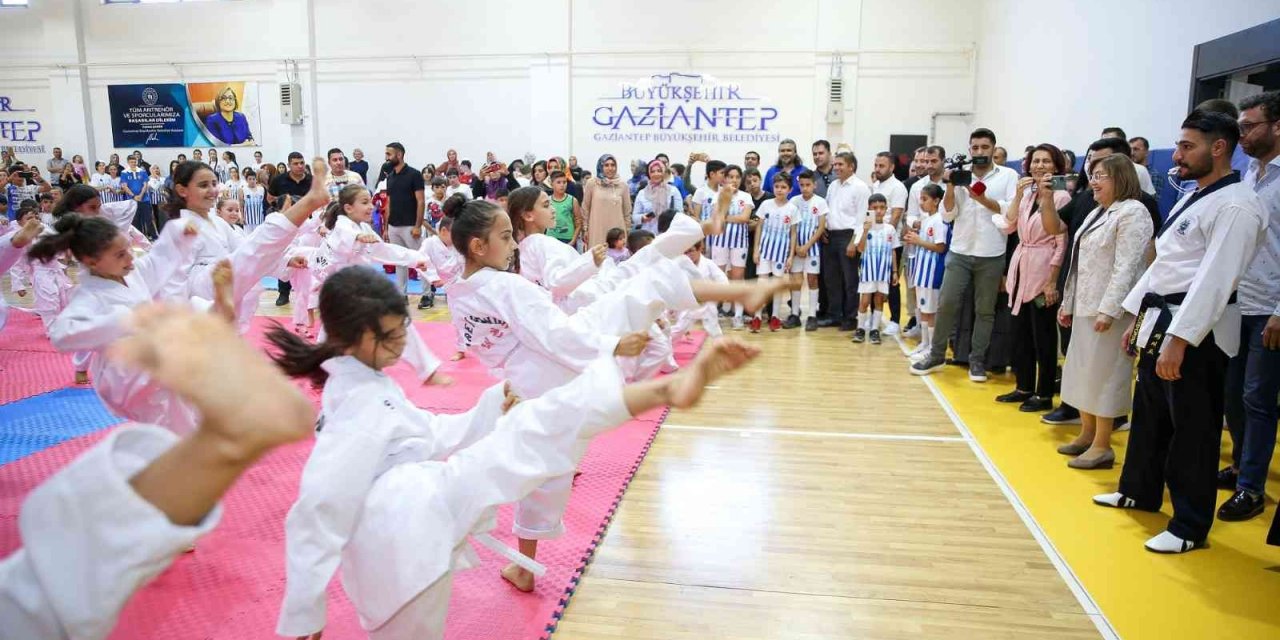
391,492
89,542
252,258
96,317
121,214
446,266
556,267
304,245
1203,255
514,328
706,314
9,258
50,284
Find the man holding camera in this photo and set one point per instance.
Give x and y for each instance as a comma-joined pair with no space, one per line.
25,183
976,253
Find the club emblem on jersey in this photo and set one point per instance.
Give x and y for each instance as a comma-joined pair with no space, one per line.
929,232
1183,226
815,210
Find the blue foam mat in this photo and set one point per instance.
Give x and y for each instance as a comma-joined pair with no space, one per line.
415,286
33,424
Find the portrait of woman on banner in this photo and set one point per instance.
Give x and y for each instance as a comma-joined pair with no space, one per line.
227,123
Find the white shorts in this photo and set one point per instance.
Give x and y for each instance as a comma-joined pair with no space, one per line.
771,268
871,286
927,300
807,264
734,258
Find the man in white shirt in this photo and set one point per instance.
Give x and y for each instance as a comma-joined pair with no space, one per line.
1253,376
339,177
1187,327
888,185
928,167
976,254
847,199
1144,175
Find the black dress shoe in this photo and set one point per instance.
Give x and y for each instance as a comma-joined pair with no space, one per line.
848,325
1015,396
1227,479
791,322
811,324
1062,415
1036,404
1242,506
284,289
826,322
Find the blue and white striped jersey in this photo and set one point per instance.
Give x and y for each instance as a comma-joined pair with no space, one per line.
776,222
809,213
254,207
877,256
736,234
928,266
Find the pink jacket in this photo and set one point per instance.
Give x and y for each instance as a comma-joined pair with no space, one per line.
1037,252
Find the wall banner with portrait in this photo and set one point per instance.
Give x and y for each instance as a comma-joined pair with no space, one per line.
218,114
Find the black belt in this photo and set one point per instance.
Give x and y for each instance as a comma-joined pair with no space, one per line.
1161,304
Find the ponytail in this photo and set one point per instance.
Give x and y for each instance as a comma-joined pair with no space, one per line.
299,357
346,196
73,199
331,214
83,236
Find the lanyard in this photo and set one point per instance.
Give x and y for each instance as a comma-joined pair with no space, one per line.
1224,182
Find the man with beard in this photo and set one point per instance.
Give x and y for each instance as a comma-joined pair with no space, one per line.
1186,328
788,161
1253,376
889,186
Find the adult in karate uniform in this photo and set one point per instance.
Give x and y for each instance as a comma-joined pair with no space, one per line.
1186,328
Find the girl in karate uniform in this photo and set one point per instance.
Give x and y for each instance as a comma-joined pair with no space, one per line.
261,253
51,290
112,285
12,250
351,241
115,517
514,327
445,260
543,260
706,314
85,200
304,245
392,492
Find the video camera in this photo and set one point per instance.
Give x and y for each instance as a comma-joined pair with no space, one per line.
960,176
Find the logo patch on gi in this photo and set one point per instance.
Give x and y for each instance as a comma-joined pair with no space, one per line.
1183,226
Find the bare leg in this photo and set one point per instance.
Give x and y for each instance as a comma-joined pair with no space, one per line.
752,296
518,576
1102,434
224,303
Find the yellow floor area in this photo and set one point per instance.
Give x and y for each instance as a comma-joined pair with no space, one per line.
1229,590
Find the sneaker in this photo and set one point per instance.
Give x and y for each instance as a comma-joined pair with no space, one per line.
791,322
848,325
737,322
755,325
977,372
875,336
282,299
1121,424
913,333
917,357
1036,404
811,324
1242,506
1062,415
891,328
826,321
927,365
425,302
774,323
1227,479
859,335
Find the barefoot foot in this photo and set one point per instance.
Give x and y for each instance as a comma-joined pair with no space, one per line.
224,303
717,359
82,377
519,577
458,355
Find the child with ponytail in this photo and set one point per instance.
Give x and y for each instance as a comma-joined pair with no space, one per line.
514,327
12,249
391,492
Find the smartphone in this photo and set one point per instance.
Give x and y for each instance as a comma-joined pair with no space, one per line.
1058,183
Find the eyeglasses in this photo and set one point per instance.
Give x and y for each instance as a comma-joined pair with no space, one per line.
1247,127
1099,177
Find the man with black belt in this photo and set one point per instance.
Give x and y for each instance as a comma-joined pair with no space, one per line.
405,204
847,199
823,175
1187,326
295,183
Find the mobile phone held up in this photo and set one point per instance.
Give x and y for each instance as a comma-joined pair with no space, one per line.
1058,183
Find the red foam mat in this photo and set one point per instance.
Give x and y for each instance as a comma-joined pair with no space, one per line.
232,586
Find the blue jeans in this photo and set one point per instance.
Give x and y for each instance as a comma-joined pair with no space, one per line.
1253,382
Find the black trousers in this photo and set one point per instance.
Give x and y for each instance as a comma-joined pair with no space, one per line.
143,220
841,278
1176,434
1035,348
822,277
895,292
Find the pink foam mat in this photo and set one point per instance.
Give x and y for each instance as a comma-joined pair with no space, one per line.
231,587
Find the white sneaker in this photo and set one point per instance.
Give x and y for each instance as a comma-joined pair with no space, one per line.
890,328
737,322
1166,542
917,357
913,333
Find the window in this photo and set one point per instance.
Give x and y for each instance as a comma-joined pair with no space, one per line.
14,3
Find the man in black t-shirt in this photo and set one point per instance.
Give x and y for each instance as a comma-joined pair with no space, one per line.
295,183
405,202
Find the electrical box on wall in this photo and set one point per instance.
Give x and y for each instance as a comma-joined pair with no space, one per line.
290,103
835,101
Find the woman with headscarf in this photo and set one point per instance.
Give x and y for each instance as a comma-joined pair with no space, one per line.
606,203
638,180
655,198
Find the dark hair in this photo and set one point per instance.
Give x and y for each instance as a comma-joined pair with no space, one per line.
353,300
1215,126
522,200
615,234
746,173
752,153
84,236
346,196
1115,130
983,132
714,166
1116,145
465,163
886,154
664,220
294,155
733,167
333,151
445,222
783,177
1269,101
472,219
556,175
502,192
877,197
1219,105
822,143
452,173
933,191
397,146
1145,142
678,170
183,175
438,181
848,157
1055,154
636,240
74,197
805,175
